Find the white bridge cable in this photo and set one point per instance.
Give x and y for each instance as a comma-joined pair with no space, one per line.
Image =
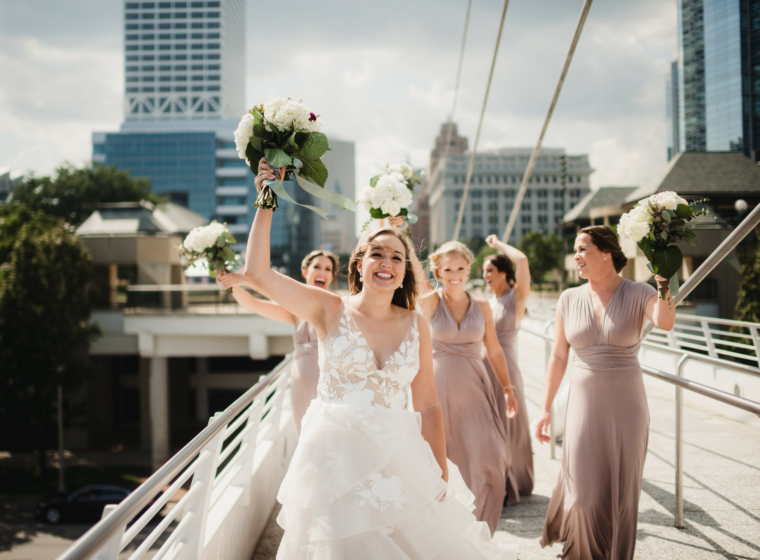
532,163
463,201
456,94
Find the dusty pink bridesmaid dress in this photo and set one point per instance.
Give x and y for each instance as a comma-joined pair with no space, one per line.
594,507
304,373
520,480
476,440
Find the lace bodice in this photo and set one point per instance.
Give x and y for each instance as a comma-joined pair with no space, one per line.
349,373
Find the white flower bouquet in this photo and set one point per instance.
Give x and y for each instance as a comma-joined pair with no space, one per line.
656,224
211,242
289,136
391,193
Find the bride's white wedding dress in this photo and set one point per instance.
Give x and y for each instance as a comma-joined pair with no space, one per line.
363,483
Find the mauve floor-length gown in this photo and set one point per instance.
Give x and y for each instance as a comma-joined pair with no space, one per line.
304,373
476,440
520,480
594,507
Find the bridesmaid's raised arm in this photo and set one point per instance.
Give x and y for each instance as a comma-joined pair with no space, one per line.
267,309
522,269
313,305
555,371
662,312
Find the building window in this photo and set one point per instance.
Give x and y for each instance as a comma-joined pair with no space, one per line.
148,5
477,194
132,68
528,194
458,193
148,15
148,58
493,193
558,207
213,36
132,58
213,56
477,220
164,37
558,194
148,78
569,178
542,219
180,57
197,67
180,47
477,207
180,5
213,46
542,193
197,36
197,57
164,57
148,37
214,78
488,179
165,47
131,16
180,88
197,25
493,206
213,15
180,36
132,37
132,79
525,231
131,5
213,67
164,25
180,15
180,78
131,26
212,88
131,47
492,219
213,25
197,78
197,88
164,15
526,206
508,206
197,15
165,68
197,46
164,5
149,47
525,218
542,206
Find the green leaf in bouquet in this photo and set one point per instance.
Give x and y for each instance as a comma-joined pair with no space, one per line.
377,214
648,248
684,211
667,261
666,216
228,254
373,181
664,235
258,124
688,234
256,143
315,171
277,158
314,147
253,156
290,146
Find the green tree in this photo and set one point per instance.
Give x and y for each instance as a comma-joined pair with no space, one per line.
44,310
544,253
748,301
476,269
74,193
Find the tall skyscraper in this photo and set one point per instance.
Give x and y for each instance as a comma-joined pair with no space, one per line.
718,76
671,110
184,60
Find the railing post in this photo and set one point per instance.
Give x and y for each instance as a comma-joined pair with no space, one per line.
756,342
679,444
112,548
249,442
278,401
708,339
198,507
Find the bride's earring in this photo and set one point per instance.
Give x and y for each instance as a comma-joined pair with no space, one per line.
361,278
402,285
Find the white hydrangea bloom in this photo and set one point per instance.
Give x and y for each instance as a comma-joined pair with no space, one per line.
201,238
390,194
243,135
404,168
636,223
286,114
668,199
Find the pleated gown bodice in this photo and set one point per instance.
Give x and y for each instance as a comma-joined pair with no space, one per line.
594,507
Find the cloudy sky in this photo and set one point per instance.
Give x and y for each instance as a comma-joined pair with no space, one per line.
380,73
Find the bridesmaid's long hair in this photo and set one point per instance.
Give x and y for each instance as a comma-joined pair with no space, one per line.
606,240
503,264
322,253
405,296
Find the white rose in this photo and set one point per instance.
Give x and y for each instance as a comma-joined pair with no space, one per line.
636,223
243,134
391,207
667,199
404,169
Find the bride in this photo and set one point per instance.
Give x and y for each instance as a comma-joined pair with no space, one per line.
369,478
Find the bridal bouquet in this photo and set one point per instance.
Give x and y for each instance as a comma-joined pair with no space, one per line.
391,193
289,136
656,224
211,242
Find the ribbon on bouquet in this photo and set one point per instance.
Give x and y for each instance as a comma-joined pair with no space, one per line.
312,188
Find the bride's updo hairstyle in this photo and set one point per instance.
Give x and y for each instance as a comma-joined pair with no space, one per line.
406,296
446,249
606,241
502,264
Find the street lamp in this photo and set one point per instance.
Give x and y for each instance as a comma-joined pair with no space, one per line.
741,206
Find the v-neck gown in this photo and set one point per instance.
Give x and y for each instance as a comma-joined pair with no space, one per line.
594,507
476,439
304,373
520,480
363,484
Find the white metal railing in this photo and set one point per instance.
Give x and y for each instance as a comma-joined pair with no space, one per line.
680,383
218,516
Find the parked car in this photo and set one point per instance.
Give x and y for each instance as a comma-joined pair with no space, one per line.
85,504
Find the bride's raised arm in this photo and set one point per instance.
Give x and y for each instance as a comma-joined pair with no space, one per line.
313,305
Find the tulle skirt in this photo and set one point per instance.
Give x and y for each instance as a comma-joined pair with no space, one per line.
364,484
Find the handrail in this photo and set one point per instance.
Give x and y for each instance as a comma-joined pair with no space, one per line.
716,394
101,533
749,370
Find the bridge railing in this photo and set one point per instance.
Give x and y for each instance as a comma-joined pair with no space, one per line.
231,472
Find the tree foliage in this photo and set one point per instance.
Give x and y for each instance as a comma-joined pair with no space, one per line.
748,301
75,192
544,253
45,277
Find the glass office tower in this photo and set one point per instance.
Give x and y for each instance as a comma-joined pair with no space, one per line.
718,76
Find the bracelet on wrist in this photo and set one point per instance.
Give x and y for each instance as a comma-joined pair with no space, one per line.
509,390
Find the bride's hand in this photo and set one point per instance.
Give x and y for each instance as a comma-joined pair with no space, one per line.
230,279
265,173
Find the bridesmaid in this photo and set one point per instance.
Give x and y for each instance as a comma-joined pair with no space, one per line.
319,269
476,440
512,288
594,507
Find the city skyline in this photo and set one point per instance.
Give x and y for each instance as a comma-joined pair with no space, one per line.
390,79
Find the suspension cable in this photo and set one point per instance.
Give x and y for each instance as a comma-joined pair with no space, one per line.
456,94
534,156
480,126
